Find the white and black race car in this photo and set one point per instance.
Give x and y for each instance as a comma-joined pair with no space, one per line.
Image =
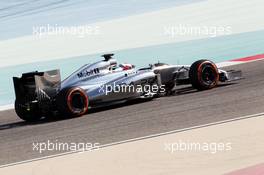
43,94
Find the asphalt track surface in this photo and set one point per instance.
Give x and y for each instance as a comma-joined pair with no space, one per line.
137,119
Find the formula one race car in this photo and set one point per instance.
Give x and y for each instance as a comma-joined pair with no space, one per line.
43,94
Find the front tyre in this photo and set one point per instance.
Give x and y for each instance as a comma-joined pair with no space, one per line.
72,102
27,111
203,75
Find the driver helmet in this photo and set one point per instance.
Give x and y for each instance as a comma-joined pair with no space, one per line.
113,64
125,66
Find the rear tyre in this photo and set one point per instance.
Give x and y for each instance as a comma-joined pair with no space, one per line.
72,102
28,112
203,75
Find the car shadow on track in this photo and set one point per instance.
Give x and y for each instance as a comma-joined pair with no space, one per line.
18,124
189,89
61,118
180,91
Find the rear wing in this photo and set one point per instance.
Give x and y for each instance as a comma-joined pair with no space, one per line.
37,85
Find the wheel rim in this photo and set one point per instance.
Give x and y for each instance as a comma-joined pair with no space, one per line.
77,101
208,74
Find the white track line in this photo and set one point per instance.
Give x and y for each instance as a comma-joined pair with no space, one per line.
139,138
6,107
233,63
229,63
